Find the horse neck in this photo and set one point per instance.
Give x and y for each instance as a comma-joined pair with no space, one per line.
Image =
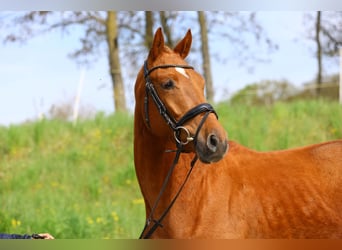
148,150
151,161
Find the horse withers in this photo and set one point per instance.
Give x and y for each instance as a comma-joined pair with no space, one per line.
233,191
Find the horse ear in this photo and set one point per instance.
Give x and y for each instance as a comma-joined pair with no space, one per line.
157,45
183,47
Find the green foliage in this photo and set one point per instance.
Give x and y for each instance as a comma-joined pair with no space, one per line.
268,92
265,92
328,90
79,181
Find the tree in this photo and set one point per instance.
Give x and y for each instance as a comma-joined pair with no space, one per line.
97,26
206,56
331,29
164,17
327,37
150,21
114,61
238,29
319,52
133,31
148,29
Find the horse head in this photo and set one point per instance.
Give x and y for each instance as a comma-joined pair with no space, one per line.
170,100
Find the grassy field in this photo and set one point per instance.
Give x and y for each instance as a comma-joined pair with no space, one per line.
79,181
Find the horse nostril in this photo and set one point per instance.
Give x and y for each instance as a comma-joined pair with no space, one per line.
212,142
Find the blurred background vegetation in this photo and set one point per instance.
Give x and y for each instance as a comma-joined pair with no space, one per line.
79,181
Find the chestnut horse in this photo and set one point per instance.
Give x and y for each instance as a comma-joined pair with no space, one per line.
233,191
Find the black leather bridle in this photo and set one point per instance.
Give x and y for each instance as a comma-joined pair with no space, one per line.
177,127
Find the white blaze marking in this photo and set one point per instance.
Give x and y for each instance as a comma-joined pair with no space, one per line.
181,71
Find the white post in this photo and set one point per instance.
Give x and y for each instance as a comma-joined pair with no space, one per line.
78,97
341,76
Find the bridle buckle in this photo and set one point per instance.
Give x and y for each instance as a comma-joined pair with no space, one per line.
176,134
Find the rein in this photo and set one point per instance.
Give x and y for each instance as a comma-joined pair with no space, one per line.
176,126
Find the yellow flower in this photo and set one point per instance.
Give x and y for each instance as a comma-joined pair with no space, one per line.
90,220
15,223
54,184
115,216
99,220
138,201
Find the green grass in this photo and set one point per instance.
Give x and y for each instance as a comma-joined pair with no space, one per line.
283,125
74,182
79,181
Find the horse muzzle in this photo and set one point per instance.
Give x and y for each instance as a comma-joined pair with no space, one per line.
211,148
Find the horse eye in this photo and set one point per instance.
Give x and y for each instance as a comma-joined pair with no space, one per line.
168,85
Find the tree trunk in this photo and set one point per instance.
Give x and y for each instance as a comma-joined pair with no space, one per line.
205,56
166,29
148,29
319,53
114,62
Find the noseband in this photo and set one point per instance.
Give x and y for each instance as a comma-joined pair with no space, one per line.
176,126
